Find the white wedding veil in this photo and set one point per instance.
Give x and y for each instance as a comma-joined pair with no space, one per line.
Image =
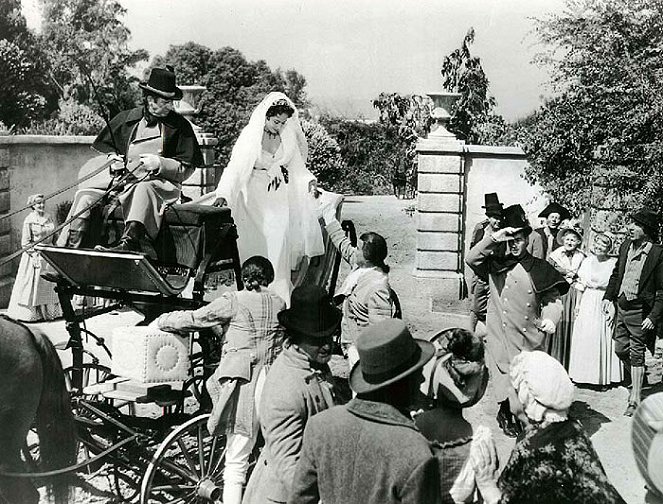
247,148
305,235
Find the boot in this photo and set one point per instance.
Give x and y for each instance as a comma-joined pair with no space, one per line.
505,419
637,377
134,231
232,493
77,231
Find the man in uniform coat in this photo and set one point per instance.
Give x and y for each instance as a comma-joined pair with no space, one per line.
369,451
636,286
479,286
162,147
544,239
524,305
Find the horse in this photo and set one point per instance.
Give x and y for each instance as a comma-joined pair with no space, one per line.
33,392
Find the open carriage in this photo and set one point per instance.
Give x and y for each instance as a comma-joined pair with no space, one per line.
153,435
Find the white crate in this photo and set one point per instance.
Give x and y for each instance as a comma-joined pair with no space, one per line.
148,355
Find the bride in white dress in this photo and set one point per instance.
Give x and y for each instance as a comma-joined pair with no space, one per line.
270,191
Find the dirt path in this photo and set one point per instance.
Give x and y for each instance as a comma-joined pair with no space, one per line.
600,412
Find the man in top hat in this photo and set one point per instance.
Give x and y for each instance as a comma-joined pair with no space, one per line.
369,451
544,239
160,145
636,286
479,286
524,307
297,386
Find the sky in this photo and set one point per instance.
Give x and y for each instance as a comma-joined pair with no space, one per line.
351,50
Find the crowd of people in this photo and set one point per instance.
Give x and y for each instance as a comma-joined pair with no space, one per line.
554,314
601,312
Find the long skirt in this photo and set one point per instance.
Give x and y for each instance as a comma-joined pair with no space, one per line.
559,344
33,298
262,223
593,358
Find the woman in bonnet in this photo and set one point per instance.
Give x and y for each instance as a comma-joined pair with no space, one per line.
455,380
270,191
33,298
553,460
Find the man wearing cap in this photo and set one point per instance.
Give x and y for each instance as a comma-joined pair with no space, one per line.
636,286
160,146
369,451
524,306
479,286
544,239
297,386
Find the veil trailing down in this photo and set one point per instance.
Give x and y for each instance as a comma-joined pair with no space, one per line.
271,195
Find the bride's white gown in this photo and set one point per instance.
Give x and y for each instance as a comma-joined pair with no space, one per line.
262,223
279,224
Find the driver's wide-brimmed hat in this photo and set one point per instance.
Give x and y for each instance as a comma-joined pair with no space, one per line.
162,83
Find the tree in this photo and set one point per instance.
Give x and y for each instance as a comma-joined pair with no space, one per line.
27,93
473,120
190,60
234,87
606,61
324,157
406,119
88,49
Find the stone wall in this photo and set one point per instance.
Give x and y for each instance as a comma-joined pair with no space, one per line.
452,180
32,164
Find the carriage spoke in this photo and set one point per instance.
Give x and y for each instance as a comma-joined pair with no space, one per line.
201,448
187,457
211,456
173,488
179,470
218,462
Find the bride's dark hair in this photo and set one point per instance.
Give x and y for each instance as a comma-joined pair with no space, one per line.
279,107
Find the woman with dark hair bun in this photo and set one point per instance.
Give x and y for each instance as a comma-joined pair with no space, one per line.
252,339
366,291
271,192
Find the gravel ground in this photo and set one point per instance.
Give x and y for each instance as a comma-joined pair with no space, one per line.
600,412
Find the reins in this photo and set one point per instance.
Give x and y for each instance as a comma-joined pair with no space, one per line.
121,180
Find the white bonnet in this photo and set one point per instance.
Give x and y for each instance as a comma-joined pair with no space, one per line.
543,386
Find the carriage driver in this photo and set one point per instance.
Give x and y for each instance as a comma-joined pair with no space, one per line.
159,138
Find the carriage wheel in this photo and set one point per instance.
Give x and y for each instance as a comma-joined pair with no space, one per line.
187,466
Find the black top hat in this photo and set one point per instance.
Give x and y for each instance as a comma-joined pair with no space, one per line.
514,216
492,204
311,313
555,208
387,353
162,83
648,219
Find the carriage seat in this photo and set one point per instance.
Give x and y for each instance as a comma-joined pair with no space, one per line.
189,233
188,214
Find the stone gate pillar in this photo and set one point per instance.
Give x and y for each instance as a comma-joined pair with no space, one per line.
440,207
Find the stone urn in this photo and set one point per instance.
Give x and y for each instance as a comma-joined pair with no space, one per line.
443,104
189,106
